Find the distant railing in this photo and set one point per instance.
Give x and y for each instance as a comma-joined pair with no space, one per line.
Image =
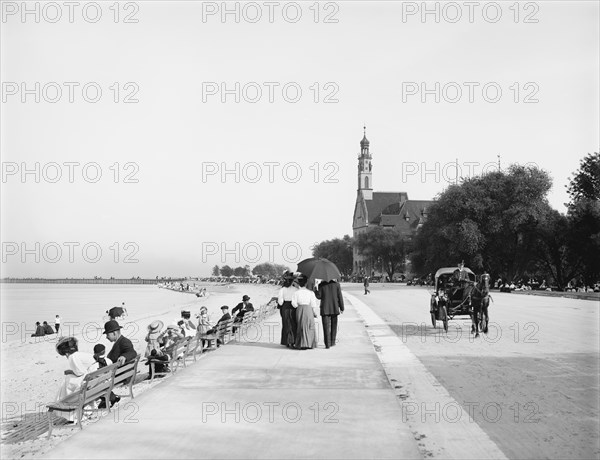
88,280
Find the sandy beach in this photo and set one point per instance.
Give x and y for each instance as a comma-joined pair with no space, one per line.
32,372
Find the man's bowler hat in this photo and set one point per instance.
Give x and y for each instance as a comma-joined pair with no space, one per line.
111,326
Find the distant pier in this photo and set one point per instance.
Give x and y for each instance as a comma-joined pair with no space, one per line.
88,280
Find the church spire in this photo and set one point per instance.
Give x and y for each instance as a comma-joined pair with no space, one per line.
364,144
365,177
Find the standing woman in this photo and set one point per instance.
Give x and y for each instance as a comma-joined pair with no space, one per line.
305,303
288,312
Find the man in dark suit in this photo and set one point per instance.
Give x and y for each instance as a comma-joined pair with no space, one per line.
332,304
242,308
226,317
121,352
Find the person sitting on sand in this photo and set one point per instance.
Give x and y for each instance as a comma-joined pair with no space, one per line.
39,330
48,330
80,364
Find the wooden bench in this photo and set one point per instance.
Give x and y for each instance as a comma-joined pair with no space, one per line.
178,355
95,385
194,348
223,333
125,375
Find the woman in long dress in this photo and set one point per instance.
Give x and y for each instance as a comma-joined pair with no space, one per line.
289,324
305,303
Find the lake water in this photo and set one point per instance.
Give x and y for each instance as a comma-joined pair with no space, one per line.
83,304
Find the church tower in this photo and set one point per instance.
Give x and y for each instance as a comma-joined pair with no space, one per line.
365,176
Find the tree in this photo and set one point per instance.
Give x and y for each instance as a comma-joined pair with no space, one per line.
269,270
489,221
338,251
215,270
386,245
584,216
553,249
226,270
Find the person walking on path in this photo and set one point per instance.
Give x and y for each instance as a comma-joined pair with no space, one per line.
366,283
305,303
57,321
332,304
289,323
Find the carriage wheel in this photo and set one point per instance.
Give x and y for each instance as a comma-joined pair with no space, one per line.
433,319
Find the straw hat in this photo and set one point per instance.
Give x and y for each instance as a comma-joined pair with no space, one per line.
155,326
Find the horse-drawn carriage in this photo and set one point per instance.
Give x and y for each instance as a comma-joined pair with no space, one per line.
458,293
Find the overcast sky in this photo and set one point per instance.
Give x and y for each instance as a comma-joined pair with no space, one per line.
140,179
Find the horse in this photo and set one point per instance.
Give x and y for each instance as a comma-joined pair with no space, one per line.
480,295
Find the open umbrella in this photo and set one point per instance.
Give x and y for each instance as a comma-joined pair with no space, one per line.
116,312
319,268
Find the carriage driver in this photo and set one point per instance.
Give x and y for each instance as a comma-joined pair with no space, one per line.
460,278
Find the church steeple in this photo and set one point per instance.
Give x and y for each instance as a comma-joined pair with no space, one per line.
364,144
365,179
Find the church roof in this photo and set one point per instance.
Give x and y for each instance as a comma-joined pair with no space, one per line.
405,215
382,200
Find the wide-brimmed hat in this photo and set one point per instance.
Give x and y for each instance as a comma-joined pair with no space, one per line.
111,326
173,326
245,298
156,325
66,345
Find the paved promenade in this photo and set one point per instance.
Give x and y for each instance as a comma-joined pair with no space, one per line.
254,398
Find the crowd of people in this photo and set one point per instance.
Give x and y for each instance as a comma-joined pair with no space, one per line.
298,305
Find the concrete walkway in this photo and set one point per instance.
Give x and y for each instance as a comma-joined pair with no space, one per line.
254,398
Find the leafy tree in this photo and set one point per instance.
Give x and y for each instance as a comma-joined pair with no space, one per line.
215,270
584,217
226,270
269,270
386,245
238,271
553,249
337,250
489,221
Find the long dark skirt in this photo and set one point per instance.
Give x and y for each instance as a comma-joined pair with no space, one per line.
288,324
306,335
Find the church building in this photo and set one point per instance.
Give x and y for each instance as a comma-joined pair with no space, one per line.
383,209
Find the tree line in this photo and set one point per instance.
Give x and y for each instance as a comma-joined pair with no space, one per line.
500,222
267,270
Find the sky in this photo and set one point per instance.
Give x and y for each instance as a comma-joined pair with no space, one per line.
163,138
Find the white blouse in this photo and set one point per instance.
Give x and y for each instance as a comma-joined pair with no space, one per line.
286,294
304,297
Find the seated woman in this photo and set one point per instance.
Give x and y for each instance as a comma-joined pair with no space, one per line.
80,364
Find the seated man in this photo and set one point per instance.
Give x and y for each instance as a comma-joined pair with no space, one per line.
39,330
48,330
226,317
242,308
122,351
